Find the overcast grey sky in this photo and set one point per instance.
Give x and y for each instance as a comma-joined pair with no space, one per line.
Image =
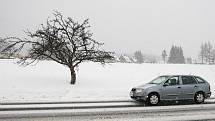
123,25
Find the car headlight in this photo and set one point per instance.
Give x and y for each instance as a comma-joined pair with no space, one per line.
138,90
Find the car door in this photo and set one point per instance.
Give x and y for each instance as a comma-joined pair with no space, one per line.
189,87
171,89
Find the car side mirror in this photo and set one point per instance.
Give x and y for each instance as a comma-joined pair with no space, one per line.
166,84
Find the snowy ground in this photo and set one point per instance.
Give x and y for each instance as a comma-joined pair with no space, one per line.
49,81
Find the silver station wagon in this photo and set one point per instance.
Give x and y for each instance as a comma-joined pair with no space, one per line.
172,88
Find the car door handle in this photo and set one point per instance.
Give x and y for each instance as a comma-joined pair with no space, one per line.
195,86
179,87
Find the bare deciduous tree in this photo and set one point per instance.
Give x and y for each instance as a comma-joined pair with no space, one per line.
62,40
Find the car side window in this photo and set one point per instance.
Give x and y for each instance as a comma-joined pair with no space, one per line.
188,80
200,80
172,81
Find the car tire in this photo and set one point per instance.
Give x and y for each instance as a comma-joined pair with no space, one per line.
199,97
153,99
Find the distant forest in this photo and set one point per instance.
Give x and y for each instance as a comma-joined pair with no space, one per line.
174,56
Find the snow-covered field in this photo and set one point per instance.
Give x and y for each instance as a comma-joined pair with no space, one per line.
49,81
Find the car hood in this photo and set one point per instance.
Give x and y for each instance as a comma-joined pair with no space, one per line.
146,86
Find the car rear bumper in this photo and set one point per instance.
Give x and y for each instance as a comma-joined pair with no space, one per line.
207,95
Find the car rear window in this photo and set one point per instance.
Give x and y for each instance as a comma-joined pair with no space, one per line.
188,80
200,80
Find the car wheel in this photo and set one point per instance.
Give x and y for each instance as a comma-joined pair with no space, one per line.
153,99
199,97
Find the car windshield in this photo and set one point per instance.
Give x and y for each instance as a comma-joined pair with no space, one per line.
158,80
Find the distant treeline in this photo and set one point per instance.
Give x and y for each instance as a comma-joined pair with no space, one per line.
175,56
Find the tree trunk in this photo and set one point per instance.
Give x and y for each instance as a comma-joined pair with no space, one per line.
73,75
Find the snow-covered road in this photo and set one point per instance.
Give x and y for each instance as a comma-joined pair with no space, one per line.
122,113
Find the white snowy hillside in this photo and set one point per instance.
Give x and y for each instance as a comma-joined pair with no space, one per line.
49,81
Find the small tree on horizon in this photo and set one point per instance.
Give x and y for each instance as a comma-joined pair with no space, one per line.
176,55
172,55
206,53
209,49
202,53
164,55
189,60
62,40
139,57
122,59
181,58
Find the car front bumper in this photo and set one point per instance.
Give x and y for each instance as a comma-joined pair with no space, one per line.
138,96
